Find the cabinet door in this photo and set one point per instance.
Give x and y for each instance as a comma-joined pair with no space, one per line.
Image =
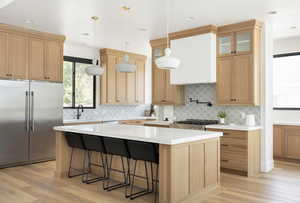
131,88
243,42
4,73
54,61
121,85
292,142
18,56
224,74
140,82
279,141
242,80
37,59
111,79
225,44
158,85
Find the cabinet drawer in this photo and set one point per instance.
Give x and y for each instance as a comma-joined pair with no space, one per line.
234,164
234,148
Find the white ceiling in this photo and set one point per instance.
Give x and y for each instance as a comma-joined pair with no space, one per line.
72,17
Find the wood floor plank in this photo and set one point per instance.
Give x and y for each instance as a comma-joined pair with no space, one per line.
37,184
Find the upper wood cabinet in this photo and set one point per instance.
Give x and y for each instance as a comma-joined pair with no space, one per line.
31,55
163,93
238,64
286,141
17,56
122,88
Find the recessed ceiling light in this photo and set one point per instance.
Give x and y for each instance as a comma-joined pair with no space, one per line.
293,27
191,18
28,21
272,12
86,34
126,8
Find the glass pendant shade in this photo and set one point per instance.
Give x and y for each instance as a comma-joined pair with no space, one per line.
125,67
167,61
94,70
4,3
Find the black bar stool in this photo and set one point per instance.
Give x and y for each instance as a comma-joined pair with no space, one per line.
117,147
147,152
94,144
75,141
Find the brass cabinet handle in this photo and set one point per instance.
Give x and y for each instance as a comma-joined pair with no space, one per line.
9,75
163,101
224,145
47,78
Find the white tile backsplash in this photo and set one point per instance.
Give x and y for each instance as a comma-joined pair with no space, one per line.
108,112
207,92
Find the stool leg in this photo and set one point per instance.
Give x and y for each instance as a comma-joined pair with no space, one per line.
143,192
128,175
70,165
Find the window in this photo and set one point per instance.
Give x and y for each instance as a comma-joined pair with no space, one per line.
79,88
287,81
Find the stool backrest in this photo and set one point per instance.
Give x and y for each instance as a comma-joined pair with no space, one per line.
115,146
75,140
143,151
93,143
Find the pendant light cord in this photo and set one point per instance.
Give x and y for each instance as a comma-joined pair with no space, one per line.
167,21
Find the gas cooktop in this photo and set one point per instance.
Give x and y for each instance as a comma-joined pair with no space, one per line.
198,122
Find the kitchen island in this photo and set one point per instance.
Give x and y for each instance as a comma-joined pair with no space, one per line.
189,160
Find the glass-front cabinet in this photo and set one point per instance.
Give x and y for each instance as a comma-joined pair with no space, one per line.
235,43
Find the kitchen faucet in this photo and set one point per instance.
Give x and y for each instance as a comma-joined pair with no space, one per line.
80,106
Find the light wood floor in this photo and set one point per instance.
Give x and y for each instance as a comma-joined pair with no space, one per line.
36,184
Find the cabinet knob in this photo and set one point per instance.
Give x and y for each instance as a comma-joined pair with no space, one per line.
47,78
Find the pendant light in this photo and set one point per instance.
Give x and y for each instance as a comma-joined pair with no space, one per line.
125,66
95,69
167,61
4,3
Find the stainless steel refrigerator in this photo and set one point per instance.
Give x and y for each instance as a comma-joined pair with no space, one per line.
28,112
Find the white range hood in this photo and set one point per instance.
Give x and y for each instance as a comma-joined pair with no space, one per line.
198,59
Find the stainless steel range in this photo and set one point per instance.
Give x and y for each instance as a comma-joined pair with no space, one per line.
196,124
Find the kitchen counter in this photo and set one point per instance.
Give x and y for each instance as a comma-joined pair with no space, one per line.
189,160
167,136
76,121
234,127
287,123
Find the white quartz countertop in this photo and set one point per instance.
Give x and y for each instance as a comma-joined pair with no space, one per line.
287,123
162,123
70,121
234,127
167,136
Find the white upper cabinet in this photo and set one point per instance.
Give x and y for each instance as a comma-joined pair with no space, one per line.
198,59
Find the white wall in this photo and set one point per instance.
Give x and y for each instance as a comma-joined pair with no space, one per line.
267,162
83,51
282,46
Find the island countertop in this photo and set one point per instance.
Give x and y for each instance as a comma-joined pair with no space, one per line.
167,136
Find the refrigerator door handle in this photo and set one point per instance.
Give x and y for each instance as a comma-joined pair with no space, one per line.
27,111
32,112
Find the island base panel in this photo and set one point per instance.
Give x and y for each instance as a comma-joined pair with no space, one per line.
187,172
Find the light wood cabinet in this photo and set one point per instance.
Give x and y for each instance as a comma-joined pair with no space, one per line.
240,151
4,73
17,56
238,64
286,141
31,55
54,61
163,93
122,88
37,59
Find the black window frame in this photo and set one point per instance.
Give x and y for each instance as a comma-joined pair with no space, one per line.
286,55
75,60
